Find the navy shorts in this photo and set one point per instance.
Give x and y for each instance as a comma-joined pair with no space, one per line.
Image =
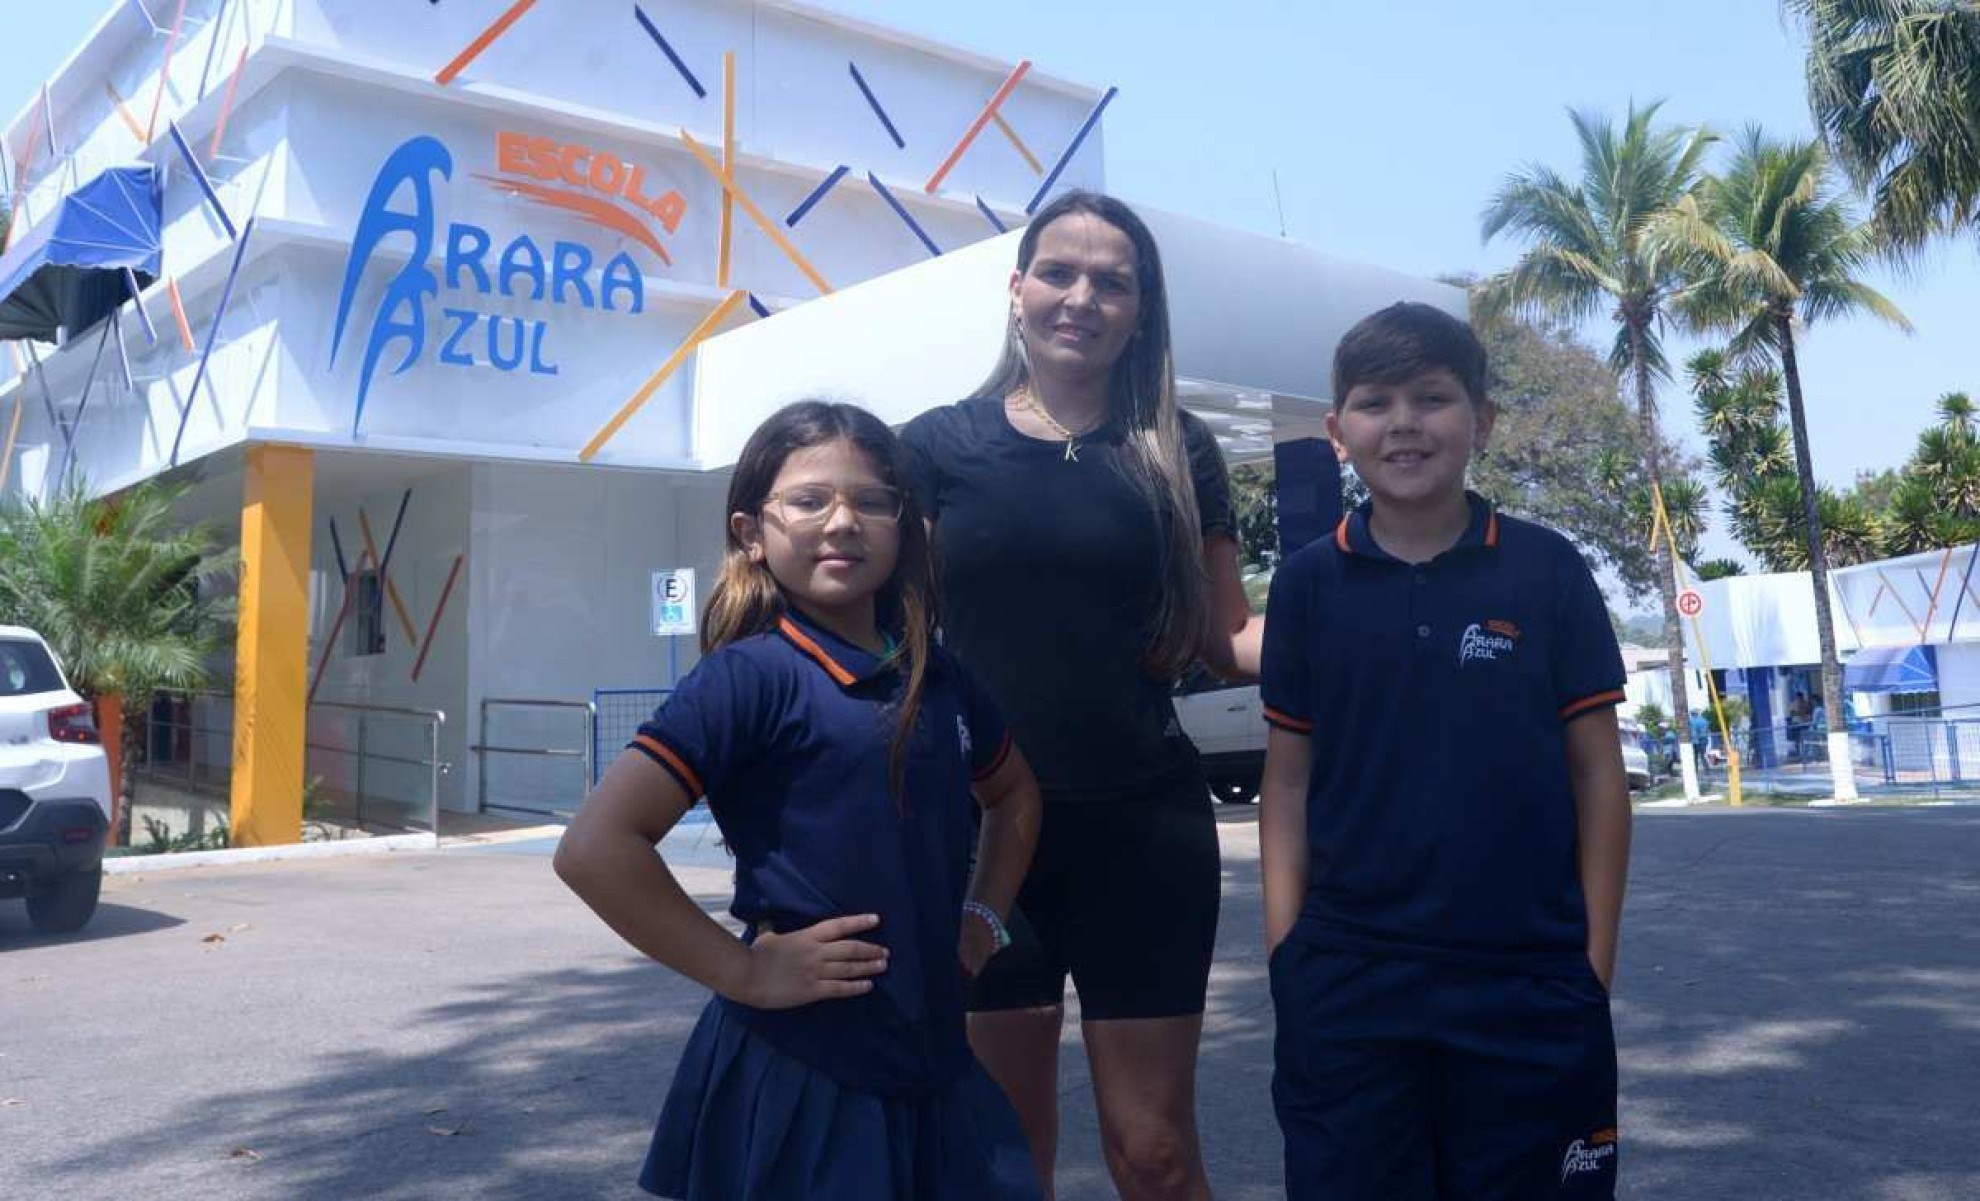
1406,1080
1122,896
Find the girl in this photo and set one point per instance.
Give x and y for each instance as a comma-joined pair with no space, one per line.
837,747
1083,526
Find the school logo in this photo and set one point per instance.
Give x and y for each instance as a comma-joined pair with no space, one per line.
1488,641
962,735
1592,1154
482,276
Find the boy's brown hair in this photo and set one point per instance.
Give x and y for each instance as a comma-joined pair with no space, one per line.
1405,339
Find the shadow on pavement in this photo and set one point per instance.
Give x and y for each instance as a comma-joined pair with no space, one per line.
1799,1007
507,1074
1798,1012
111,921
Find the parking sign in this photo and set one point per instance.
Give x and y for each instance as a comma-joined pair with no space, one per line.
673,602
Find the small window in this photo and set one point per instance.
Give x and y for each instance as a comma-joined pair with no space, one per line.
368,615
26,669
1924,704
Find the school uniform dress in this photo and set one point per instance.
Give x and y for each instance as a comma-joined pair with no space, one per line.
867,1098
1441,1033
1050,571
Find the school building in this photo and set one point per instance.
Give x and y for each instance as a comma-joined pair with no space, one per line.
1907,631
454,314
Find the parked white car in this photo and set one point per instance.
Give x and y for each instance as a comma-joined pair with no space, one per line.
1636,762
54,788
1227,724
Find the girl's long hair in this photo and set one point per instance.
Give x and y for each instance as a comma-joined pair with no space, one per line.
1142,398
747,599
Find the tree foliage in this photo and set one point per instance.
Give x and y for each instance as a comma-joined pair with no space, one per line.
1894,86
1568,452
1618,238
124,593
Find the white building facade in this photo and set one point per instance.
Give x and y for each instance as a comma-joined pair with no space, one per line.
461,310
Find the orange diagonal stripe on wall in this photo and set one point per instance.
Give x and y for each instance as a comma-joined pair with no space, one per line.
709,325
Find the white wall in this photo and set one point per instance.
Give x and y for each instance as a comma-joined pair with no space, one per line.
795,97
1959,674
331,89
352,493
1652,686
560,572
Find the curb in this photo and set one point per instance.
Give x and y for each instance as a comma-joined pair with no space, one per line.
495,838
129,865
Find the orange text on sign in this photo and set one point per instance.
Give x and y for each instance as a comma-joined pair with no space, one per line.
579,166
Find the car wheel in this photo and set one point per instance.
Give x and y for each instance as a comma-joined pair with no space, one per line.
64,905
1234,790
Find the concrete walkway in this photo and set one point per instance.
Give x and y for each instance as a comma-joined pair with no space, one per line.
1799,1013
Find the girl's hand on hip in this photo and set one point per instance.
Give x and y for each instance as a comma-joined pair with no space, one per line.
817,963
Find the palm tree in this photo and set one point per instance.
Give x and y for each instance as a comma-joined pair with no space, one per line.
1614,239
1750,452
1958,414
1937,499
1720,569
1893,87
1790,252
121,591
1685,505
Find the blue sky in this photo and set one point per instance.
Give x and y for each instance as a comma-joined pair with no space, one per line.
1390,125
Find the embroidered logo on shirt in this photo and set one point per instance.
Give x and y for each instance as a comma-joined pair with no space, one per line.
1489,641
962,735
1592,1154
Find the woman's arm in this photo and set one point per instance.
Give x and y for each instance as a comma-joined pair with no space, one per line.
1233,632
607,857
1011,808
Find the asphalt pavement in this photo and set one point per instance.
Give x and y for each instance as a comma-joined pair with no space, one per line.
1798,1011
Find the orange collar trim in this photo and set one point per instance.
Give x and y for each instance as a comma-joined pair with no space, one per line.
805,643
1344,541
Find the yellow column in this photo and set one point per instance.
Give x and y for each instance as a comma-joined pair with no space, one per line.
271,677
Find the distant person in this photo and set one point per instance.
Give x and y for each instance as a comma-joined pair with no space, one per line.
1701,736
1446,822
838,747
1799,712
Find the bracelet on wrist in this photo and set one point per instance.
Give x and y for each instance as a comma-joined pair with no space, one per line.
998,933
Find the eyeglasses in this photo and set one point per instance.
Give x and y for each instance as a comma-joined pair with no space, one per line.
812,504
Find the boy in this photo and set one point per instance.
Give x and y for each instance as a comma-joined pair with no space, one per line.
1445,822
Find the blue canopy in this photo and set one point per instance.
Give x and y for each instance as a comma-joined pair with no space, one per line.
1892,669
67,272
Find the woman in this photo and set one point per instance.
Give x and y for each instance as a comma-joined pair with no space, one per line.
1085,552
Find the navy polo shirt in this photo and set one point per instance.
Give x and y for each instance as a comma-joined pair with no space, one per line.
1440,818
788,734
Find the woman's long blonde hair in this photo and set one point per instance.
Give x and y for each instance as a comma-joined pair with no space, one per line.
747,599
1142,397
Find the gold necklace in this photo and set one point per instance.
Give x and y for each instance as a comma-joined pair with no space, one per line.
1024,398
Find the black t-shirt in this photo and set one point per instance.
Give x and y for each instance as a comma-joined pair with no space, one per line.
1050,572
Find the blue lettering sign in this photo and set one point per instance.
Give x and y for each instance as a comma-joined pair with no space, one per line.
402,312
519,270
